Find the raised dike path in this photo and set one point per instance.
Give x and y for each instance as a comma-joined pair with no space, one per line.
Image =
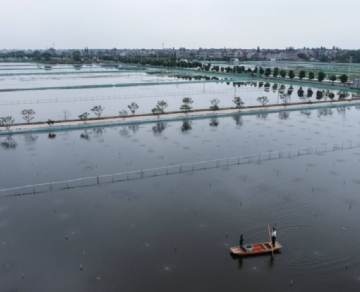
168,117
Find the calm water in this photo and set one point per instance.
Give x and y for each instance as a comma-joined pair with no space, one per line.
168,233
124,234
172,88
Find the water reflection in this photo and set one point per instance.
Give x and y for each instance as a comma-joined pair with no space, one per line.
300,92
29,138
342,110
325,112
9,143
85,135
99,131
124,131
319,94
240,263
134,128
285,98
309,93
158,128
271,262
238,120
262,116
284,115
306,113
343,94
214,122
186,126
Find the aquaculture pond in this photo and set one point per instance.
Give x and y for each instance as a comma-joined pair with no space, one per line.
173,232
51,93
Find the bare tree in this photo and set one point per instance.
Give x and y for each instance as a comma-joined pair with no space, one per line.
286,98
156,111
187,101
50,122
65,115
84,117
263,100
133,107
123,114
28,115
6,122
238,102
97,110
214,104
162,105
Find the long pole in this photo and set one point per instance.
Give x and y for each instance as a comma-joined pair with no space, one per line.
272,248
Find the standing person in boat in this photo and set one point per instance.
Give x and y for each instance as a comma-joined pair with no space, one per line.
241,241
273,236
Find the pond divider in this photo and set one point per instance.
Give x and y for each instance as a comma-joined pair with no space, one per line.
116,97
175,169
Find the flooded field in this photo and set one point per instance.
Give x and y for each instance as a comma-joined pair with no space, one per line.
115,89
173,232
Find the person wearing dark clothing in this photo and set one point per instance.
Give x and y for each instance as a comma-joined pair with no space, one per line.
241,242
273,237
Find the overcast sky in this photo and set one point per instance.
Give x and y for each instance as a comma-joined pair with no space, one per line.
37,24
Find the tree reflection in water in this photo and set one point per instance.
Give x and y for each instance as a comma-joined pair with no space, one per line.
284,115
262,116
238,120
99,131
325,112
9,143
124,131
30,138
186,126
214,122
342,110
85,135
306,113
159,128
134,128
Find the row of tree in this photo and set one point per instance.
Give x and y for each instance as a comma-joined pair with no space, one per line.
260,71
285,95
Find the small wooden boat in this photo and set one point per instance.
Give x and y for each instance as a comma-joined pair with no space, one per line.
256,248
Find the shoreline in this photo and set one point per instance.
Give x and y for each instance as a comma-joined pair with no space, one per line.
168,117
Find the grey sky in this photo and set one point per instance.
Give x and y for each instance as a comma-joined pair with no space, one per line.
187,23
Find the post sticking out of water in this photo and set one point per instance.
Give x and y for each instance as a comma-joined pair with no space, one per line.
81,267
291,282
22,276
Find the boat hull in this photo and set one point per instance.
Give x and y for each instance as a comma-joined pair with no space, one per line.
258,248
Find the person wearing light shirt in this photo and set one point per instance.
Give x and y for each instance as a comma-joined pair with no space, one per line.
273,237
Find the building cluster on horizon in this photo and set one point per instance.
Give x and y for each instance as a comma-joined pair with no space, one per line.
290,54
